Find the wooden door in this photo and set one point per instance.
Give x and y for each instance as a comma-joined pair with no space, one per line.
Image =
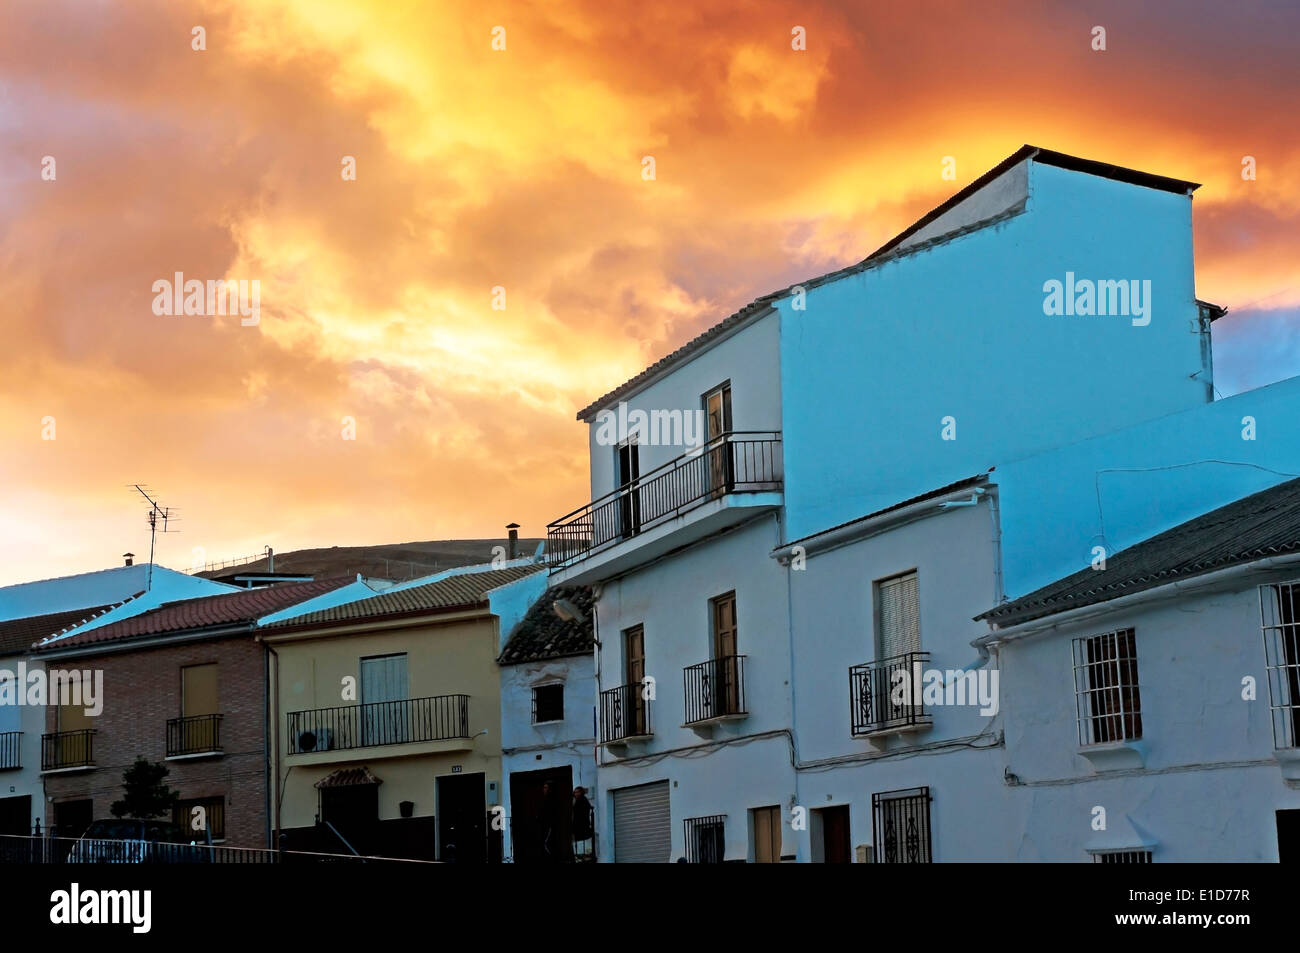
717,415
634,659
725,695
835,835
767,835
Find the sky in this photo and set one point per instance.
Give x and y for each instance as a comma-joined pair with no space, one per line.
428,328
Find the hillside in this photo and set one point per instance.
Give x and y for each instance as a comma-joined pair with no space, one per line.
396,561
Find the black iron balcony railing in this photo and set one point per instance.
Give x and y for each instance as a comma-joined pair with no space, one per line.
68,749
10,750
624,713
196,734
715,689
748,462
886,694
436,718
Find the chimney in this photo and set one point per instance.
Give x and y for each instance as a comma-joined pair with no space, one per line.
514,540
130,558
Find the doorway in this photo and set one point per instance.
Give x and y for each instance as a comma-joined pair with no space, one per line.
835,838
717,415
1288,836
352,810
725,695
71,818
634,662
16,815
541,818
462,818
629,471
384,710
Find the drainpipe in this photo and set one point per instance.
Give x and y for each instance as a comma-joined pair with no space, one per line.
272,745
789,629
597,793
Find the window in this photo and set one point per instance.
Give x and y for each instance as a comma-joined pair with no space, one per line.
765,823
717,410
548,703
898,617
634,660
706,839
192,815
629,471
900,824
717,415
721,683
1280,617
1121,857
199,690
1107,701
385,712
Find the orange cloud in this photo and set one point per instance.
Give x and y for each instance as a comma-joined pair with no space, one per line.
518,169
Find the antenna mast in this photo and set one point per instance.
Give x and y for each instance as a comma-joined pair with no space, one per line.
157,514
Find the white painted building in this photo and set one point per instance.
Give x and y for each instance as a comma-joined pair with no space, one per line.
752,588
1152,708
548,730
895,712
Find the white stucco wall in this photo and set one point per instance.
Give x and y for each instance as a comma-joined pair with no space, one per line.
748,359
1210,784
671,600
833,626
571,742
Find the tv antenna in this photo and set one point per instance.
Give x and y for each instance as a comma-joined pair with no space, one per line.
158,514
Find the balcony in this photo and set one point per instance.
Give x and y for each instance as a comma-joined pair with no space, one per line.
715,690
68,750
11,750
437,718
624,715
885,696
719,485
193,737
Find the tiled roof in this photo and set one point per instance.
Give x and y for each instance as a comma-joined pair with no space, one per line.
542,634
348,777
461,591
890,251
1257,526
17,635
203,612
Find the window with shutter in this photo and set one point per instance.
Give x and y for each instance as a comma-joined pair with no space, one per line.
898,617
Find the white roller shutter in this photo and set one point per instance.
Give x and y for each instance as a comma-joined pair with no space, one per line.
899,619
642,824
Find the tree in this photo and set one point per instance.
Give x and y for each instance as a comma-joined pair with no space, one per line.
147,793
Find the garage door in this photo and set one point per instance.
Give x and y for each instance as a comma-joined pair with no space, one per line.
642,827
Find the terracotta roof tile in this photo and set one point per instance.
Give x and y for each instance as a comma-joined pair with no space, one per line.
203,612
17,635
464,590
348,777
542,634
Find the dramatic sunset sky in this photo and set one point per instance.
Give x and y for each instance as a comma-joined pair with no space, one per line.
521,169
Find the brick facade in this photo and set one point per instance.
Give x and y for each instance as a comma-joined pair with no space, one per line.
142,690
